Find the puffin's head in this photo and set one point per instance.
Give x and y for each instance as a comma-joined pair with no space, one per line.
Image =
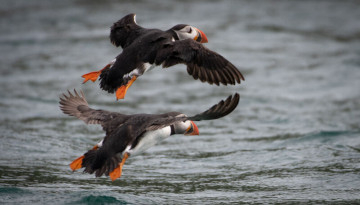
184,31
187,127
121,29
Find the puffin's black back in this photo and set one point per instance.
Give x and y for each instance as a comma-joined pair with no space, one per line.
150,41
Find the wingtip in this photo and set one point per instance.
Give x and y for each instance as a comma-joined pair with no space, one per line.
65,96
237,99
237,96
82,94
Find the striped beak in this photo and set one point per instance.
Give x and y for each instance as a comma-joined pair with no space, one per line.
201,37
192,129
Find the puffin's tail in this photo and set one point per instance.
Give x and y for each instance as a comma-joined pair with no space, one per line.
77,163
111,80
108,81
98,161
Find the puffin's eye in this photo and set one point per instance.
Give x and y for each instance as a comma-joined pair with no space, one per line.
190,30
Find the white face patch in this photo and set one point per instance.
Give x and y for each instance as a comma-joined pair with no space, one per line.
186,124
135,18
187,32
182,127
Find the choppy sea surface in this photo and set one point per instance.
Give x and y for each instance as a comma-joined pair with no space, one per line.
294,138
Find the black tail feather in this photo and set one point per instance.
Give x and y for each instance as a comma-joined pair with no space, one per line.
98,162
106,83
89,160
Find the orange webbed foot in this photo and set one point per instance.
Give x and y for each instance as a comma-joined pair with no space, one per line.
93,76
77,163
116,173
121,92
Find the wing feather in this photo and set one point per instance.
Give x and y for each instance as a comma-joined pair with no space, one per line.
219,110
202,63
77,106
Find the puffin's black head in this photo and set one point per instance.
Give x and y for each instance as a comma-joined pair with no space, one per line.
121,29
183,31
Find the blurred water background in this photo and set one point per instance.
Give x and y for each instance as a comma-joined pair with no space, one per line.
294,138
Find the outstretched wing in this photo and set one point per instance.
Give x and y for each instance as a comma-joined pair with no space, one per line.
77,106
202,63
217,111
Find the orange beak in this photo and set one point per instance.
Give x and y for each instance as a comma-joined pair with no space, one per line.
201,37
192,130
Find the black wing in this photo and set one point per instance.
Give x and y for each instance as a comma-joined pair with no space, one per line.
217,111
77,106
201,62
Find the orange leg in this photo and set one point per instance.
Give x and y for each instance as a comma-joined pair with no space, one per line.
93,76
77,163
120,92
116,173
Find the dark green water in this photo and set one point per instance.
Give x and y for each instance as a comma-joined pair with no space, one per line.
294,138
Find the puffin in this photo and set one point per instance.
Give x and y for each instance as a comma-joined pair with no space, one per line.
129,135
143,49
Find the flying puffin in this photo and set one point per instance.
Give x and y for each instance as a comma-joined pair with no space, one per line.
145,48
128,135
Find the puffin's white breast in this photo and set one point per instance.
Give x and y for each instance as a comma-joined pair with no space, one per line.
150,139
